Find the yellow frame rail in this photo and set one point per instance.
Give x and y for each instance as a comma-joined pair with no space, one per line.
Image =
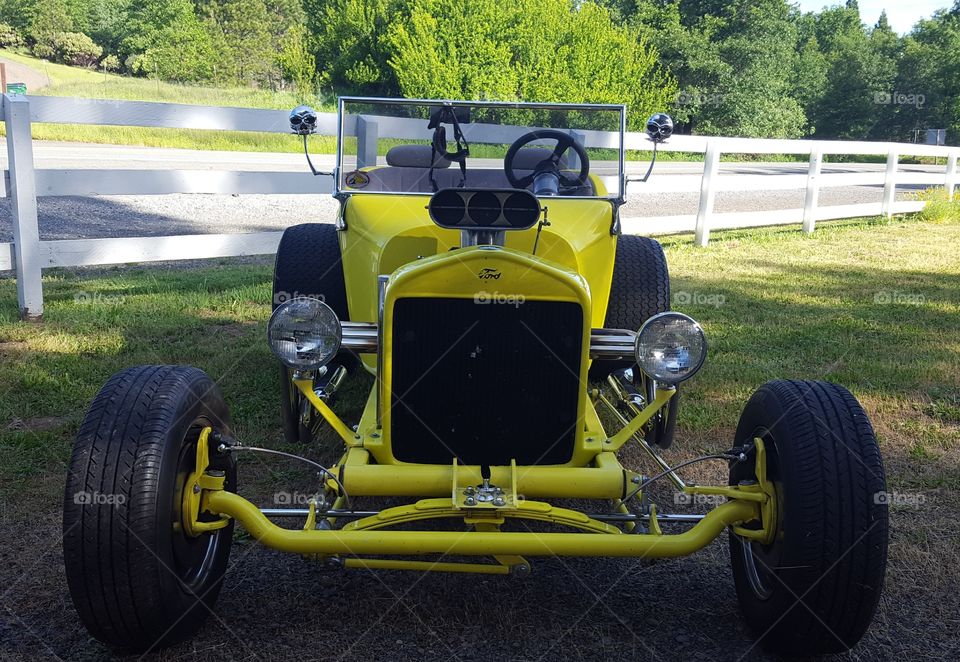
478,543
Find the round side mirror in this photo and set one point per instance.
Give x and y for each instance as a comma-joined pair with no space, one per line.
303,120
659,127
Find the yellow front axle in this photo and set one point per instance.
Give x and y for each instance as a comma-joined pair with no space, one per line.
478,543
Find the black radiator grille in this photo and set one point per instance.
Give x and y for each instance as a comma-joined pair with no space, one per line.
485,382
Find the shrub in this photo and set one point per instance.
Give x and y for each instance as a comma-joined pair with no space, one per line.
110,63
9,37
76,48
73,48
939,207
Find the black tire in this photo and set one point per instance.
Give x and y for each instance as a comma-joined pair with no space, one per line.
815,589
639,290
308,264
137,581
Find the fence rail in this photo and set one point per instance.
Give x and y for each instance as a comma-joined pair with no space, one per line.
23,183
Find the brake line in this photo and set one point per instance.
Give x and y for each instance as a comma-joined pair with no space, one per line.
736,457
223,448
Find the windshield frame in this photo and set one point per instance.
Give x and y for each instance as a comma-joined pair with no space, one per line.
618,199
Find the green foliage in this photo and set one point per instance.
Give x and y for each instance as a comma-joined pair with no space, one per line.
565,51
349,40
733,67
296,62
110,63
241,38
107,22
168,41
72,48
9,37
931,66
940,208
47,18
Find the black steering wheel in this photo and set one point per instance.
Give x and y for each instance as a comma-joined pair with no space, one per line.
551,164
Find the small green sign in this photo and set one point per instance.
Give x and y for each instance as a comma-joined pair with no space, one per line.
17,88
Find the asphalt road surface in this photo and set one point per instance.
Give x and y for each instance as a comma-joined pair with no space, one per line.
118,216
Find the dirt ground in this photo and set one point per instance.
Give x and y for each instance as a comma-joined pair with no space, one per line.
277,606
20,73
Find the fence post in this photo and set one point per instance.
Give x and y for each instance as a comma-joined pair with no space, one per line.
890,185
367,137
951,181
23,196
711,164
813,190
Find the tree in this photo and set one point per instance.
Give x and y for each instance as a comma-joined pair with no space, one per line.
566,51
108,22
735,62
350,41
860,76
295,60
168,41
931,67
49,17
239,29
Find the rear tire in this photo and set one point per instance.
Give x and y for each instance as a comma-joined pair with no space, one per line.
308,264
815,589
137,580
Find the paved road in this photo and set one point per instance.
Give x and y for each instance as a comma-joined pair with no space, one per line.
62,218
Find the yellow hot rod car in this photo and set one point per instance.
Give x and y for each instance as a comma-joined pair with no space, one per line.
519,342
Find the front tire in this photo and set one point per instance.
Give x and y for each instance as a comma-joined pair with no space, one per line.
137,580
815,589
308,264
640,289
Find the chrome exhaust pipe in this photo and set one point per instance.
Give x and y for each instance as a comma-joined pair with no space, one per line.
331,383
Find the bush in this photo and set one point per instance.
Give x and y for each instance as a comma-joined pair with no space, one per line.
110,63
73,48
76,48
939,208
9,37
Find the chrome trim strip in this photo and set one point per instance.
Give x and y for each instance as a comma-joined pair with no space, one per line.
610,344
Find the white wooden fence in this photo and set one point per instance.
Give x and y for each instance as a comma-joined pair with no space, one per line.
23,183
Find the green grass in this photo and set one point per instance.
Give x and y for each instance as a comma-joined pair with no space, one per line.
86,83
869,304
68,81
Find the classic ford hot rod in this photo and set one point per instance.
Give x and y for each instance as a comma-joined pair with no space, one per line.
520,343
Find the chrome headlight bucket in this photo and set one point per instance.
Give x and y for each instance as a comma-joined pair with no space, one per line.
671,347
304,333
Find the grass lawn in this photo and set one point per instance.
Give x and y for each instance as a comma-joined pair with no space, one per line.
869,304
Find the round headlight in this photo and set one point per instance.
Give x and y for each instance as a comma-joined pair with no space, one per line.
304,333
671,347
